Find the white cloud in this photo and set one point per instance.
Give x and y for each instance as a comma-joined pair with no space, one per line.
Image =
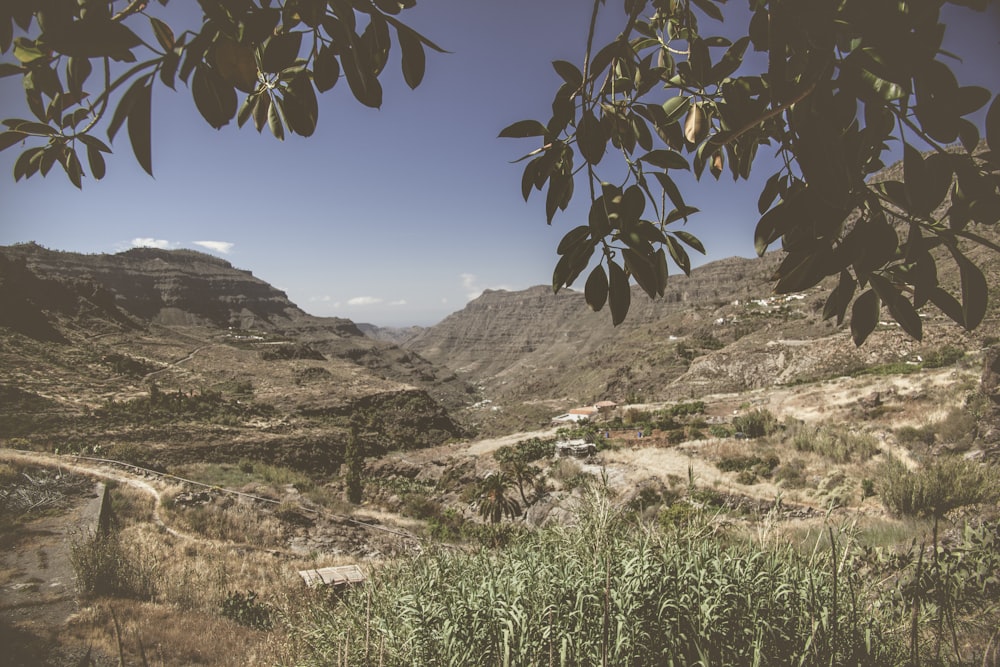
364,301
223,247
149,242
398,302
326,298
473,288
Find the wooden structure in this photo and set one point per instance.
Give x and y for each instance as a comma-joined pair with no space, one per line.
343,575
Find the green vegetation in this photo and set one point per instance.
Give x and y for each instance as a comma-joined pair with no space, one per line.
945,483
246,609
835,442
756,423
607,591
162,407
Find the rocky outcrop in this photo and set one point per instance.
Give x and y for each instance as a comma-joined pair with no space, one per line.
168,286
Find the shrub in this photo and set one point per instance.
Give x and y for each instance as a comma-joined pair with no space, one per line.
947,483
908,436
791,474
942,356
741,463
756,424
104,566
957,428
527,451
246,610
836,443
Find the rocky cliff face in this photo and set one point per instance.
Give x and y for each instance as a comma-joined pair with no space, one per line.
93,333
541,345
169,286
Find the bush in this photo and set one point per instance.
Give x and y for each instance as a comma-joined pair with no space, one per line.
527,451
246,610
755,464
836,443
791,474
957,428
756,424
908,436
943,356
947,483
104,566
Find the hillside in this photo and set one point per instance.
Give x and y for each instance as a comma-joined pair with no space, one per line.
179,355
533,352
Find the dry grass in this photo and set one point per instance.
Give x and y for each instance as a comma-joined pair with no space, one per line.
173,639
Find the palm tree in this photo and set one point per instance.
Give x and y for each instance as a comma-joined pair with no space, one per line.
522,473
494,502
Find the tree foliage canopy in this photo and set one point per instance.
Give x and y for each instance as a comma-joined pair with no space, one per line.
843,81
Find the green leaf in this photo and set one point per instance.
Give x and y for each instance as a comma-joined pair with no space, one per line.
95,38
77,71
413,60
975,292
10,69
772,225
94,142
619,293
665,159
26,164
214,98
948,305
671,190
573,239
679,255
247,109
771,190
675,108
522,129
644,271
26,51
899,307
71,165
569,73
840,298
709,8
164,35
969,99
10,138
559,194
168,69
864,316
140,126
691,240
96,162
125,106
31,127
993,125
261,111
280,51
274,119
596,290
590,137
300,108
236,64
360,74
326,69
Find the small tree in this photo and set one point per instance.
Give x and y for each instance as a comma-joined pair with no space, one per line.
354,460
521,472
494,501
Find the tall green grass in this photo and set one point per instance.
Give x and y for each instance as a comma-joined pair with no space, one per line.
609,592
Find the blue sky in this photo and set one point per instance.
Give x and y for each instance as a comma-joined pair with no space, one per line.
395,216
